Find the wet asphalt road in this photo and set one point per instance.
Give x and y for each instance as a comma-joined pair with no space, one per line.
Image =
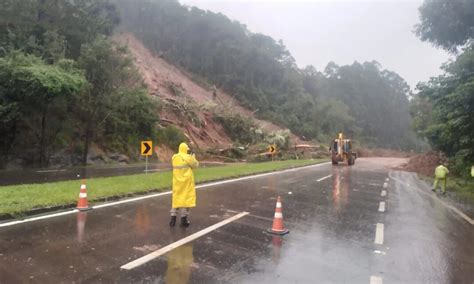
332,240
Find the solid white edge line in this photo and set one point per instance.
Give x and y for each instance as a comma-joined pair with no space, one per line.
382,206
376,280
146,258
154,170
131,200
379,234
323,178
457,211
50,171
383,193
157,194
38,218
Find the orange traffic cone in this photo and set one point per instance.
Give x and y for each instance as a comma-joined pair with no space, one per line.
277,227
82,201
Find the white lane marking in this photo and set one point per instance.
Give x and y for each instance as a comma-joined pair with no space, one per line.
385,185
457,211
50,171
376,280
38,218
383,193
387,179
379,234
157,194
382,206
323,178
258,175
131,200
154,170
146,258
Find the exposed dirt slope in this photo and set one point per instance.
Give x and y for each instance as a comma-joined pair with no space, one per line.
162,77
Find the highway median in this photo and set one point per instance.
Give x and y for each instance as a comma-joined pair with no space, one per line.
29,199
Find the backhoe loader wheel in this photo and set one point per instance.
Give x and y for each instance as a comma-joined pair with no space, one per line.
350,161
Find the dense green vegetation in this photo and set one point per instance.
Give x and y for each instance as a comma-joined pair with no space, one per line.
16,199
364,100
443,110
64,85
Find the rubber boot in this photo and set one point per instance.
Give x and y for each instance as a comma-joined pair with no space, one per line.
184,221
173,221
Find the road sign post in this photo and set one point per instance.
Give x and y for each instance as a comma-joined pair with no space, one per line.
146,164
272,149
146,147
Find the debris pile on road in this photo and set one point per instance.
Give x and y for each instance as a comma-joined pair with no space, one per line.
424,164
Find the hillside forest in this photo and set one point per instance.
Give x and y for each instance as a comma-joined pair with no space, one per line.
66,85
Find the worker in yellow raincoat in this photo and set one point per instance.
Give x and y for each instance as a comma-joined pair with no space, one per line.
441,174
184,192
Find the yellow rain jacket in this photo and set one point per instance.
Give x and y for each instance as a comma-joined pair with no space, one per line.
184,192
441,171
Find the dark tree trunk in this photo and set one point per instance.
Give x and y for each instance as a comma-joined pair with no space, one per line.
87,141
42,149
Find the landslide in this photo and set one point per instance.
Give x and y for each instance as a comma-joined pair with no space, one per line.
187,104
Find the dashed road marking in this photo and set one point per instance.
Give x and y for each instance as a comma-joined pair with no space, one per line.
379,234
146,258
376,280
383,193
387,179
385,185
323,178
382,206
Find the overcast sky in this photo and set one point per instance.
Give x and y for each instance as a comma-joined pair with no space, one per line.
317,32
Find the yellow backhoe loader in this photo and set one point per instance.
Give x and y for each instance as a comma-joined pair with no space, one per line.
341,151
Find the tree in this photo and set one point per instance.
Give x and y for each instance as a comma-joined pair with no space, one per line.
451,125
376,99
38,26
115,95
446,23
444,108
34,96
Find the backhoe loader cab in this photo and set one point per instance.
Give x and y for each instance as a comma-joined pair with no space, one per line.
341,151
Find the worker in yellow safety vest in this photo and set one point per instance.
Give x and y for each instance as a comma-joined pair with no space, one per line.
183,192
441,174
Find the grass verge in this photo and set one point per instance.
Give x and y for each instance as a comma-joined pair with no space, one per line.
16,200
463,189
